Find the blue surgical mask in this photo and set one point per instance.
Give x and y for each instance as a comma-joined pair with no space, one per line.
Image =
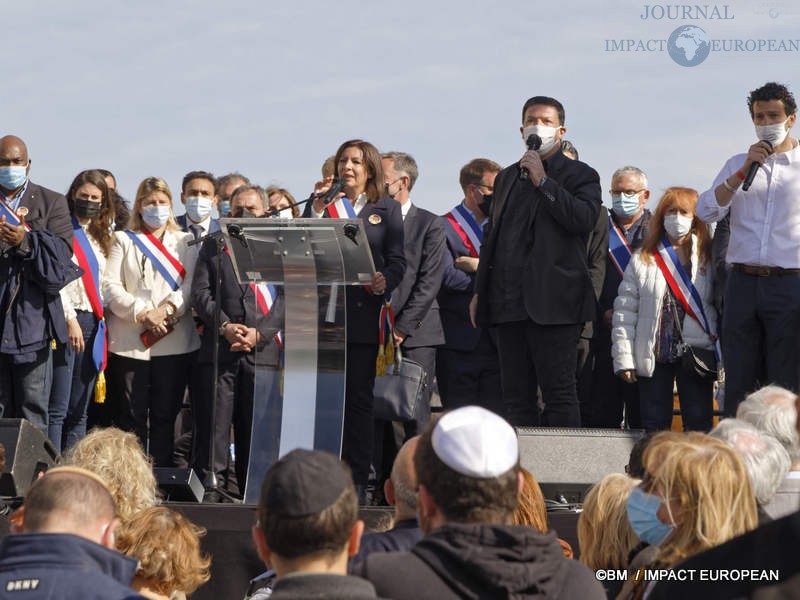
198,208
13,177
643,516
224,208
155,215
625,205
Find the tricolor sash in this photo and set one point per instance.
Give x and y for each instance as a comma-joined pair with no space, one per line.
682,287
466,228
342,209
619,251
10,215
265,294
385,346
84,254
165,263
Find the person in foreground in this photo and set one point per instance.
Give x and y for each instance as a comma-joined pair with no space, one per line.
66,548
308,527
469,483
769,552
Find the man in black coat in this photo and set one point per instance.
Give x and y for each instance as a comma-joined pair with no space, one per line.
418,328
35,263
246,338
533,281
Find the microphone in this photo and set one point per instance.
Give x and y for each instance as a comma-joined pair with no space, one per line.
338,186
751,172
236,232
534,142
350,232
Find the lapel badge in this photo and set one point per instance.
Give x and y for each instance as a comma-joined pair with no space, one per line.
374,219
22,211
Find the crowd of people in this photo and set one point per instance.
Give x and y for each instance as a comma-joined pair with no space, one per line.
528,302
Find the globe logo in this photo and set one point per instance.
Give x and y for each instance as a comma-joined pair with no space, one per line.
688,45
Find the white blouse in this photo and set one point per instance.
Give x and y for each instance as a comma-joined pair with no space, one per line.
73,295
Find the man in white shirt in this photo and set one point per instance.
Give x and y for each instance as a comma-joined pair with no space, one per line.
761,322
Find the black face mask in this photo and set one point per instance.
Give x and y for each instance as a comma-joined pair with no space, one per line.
243,213
86,209
486,205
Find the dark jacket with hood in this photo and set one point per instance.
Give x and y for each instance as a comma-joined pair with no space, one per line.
49,566
481,561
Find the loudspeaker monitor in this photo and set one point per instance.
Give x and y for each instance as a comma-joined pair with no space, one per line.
567,462
179,485
28,453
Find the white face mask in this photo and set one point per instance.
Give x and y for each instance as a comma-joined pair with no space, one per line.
155,215
285,213
198,208
774,134
548,135
677,226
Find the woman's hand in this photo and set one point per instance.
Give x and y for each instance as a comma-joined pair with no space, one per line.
75,335
378,284
320,189
156,317
628,376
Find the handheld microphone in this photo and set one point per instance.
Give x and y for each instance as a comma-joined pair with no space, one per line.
336,187
751,172
534,142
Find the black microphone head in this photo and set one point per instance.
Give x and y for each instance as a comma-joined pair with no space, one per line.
534,142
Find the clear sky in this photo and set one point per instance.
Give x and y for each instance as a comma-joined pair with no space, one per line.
271,89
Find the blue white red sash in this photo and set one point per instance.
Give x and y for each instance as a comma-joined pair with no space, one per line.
466,228
682,287
165,263
342,209
87,260
10,215
265,294
619,251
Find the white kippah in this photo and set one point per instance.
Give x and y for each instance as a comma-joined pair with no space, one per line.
475,442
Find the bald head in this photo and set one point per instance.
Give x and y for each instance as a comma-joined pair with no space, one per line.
70,500
12,146
401,488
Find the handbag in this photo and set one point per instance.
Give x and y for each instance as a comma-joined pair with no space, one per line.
399,392
696,361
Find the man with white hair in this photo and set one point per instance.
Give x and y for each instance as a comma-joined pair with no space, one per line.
772,410
766,461
469,481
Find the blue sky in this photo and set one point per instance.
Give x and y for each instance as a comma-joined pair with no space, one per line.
271,89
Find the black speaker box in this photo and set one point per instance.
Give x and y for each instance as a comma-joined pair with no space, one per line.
179,485
28,453
567,462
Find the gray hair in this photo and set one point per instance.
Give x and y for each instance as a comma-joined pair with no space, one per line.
230,177
766,461
252,188
772,410
629,170
405,164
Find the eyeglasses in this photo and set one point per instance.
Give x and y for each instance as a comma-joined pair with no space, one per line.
626,192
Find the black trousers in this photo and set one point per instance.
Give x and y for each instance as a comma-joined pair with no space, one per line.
359,422
234,406
609,395
143,392
471,377
532,356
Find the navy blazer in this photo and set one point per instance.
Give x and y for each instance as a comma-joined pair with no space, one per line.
184,222
237,306
414,302
385,236
32,274
455,296
556,285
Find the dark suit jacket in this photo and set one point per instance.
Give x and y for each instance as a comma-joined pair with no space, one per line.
557,289
455,295
184,222
237,306
414,302
33,273
597,256
385,237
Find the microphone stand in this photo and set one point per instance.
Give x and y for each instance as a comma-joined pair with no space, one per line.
335,189
210,481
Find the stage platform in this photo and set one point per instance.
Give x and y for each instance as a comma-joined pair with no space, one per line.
233,557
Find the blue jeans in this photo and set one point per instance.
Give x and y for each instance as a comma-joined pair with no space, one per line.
25,388
74,376
655,398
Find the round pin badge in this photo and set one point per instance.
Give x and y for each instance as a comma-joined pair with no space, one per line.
374,219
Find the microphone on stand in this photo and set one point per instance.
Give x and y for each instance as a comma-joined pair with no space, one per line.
751,172
534,142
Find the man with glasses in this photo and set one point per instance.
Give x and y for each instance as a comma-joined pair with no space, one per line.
418,328
627,228
533,281
467,369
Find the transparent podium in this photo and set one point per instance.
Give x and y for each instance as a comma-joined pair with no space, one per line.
301,403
